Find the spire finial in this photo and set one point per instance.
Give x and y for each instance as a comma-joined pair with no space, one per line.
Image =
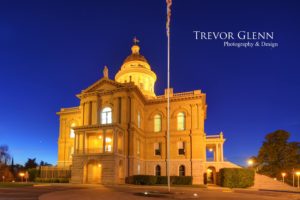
135,40
105,72
135,48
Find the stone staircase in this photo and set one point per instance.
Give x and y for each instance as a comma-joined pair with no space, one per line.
266,183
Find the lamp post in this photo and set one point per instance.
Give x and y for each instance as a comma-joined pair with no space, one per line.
283,174
250,162
298,174
293,177
22,175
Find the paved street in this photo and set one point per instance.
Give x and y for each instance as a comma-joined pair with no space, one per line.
90,192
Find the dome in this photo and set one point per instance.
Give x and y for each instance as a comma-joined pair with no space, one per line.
136,69
135,55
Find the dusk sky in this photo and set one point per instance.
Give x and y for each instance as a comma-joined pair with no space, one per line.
51,50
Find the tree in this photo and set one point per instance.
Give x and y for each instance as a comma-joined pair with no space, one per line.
42,163
277,154
4,155
31,163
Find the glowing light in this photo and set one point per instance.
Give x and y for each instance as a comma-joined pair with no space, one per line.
99,165
298,173
22,174
250,162
210,149
72,133
100,137
283,174
107,139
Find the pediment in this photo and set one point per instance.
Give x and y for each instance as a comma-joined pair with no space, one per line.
102,85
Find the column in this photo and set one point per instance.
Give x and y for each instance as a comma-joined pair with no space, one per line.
78,142
217,152
94,112
222,155
87,114
115,141
84,143
104,138
75,143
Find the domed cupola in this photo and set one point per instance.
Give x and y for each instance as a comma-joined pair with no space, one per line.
136,69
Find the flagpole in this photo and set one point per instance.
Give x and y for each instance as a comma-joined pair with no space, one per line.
169,2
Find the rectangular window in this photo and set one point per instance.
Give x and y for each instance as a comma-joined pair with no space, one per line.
181,148
109,141
157,123
157,149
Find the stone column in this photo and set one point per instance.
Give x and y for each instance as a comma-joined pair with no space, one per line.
75,143
115,141
84,141
104,138
222,155
85,113
217,152
94,112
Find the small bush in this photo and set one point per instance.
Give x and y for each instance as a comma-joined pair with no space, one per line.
52,180
235,177
182,180
162,180
33,174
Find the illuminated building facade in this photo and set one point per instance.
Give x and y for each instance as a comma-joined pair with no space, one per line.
119,129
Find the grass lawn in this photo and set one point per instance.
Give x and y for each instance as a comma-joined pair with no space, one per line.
13,185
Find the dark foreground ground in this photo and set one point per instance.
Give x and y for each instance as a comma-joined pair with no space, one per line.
130,192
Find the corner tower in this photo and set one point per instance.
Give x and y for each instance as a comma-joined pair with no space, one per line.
136,69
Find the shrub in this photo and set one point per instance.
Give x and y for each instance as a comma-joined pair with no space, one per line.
235,177
52,180
182,180
162,180
142,180
33,174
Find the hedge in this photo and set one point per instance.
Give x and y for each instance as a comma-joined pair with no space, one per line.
235,177
33,174
52,180
152,180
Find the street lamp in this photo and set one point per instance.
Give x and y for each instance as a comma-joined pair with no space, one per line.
250,162
298,174
283,174
21,174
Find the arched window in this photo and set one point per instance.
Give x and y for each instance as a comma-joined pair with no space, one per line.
72,132
157,170
181,170
157,123
106,116
180,121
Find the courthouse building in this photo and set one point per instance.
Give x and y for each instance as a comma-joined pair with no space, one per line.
120,128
